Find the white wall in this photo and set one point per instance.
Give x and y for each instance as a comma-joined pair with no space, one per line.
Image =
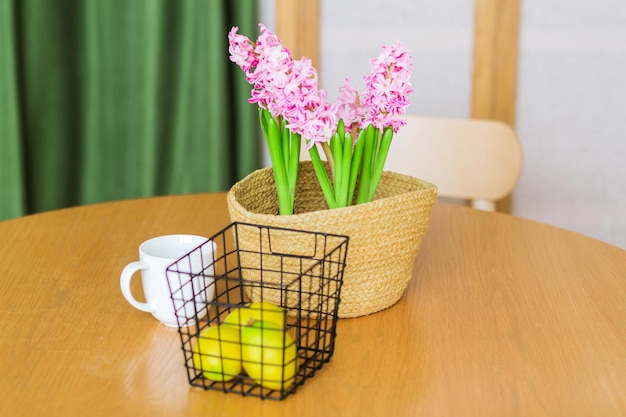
438,34
571,115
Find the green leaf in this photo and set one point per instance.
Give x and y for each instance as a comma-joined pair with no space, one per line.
322,177
381,158
366,165
341,128
336,146
273,139
293,165
355,165
263,117
344,198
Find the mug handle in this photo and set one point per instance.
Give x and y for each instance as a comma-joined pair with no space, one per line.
126,277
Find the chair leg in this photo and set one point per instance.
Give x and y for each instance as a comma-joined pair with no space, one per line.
486,205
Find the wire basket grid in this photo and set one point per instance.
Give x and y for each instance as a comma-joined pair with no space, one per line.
301,272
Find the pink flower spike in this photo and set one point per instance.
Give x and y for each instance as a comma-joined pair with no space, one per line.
283,86
352,107
241,49
388,87
267,38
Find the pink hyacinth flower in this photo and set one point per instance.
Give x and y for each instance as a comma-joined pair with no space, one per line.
352,107
241,51
388,87
286,88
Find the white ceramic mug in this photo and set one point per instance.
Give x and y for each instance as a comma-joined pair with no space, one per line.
155,256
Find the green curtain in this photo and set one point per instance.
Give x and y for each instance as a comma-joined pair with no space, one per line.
110,99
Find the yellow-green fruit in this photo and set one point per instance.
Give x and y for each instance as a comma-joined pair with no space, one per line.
218,353
269,355
257,311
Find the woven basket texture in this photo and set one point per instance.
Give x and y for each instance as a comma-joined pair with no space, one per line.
385,234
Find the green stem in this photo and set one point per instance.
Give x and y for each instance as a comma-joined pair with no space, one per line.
329,157
344,185
294,160
366,164
264,115
336,146
375,148
355,165
383,151
338,149
273,138
285,141
322,177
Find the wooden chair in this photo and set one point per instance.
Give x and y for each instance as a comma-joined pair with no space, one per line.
473,159
469,159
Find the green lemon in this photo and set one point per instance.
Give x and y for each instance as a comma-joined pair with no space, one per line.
218,353
269,355
257,311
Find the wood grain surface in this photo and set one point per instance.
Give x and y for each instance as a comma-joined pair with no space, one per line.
503,317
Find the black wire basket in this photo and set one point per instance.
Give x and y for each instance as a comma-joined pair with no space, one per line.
259,316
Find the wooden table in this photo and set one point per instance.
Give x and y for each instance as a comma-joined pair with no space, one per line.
503,317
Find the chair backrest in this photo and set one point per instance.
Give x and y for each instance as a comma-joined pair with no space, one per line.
476,160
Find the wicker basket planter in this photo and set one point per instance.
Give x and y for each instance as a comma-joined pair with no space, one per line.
385,234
